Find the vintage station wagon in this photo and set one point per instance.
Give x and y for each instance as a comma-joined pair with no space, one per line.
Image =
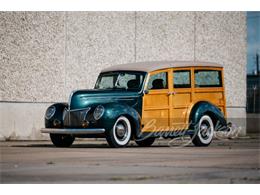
144,101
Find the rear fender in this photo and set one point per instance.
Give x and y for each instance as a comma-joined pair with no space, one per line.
206,108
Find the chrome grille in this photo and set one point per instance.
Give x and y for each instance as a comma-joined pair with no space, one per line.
74,118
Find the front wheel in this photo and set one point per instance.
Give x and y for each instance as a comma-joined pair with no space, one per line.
120,135
60,140
204,132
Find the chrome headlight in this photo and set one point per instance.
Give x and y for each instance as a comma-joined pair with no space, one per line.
98,112
50,112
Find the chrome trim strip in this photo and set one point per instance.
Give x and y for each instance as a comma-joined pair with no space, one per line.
73,131
80,109
115,97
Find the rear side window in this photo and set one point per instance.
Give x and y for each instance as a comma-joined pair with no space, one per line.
181,79
208,78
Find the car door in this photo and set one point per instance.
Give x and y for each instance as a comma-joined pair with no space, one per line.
181,96
156,104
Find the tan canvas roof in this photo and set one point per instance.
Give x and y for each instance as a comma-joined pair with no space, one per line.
157,65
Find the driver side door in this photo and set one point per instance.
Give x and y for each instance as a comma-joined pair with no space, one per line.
156,102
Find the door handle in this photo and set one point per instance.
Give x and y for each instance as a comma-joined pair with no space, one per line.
171,93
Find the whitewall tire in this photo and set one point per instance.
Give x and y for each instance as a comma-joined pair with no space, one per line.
120,135
204,132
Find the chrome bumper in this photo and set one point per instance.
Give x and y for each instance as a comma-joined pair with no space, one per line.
72,131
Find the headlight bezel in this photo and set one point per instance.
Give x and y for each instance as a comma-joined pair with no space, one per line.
98,112
50,112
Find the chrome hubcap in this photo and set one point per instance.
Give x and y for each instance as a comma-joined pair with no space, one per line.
121,130
205,130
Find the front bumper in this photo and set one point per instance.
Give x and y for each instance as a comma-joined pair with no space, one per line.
74,131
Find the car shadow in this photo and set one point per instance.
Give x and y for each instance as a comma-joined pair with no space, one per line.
90,145
52,146
98,144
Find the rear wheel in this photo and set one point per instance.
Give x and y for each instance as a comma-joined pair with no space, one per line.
146,142
204,132
60,140
120,135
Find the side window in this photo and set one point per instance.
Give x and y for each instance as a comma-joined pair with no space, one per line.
181,79
208,78
158,81
106,82
123,80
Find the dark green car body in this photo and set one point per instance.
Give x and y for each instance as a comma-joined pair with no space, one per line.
116,103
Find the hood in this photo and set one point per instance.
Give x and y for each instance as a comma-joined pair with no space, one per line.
84,98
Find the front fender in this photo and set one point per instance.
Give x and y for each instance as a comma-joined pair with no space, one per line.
203,108
58,115
115,110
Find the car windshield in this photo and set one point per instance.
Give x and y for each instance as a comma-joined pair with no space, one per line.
120,80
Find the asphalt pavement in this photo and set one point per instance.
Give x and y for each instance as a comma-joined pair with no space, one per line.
92,161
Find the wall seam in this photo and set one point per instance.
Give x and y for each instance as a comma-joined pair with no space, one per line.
28,102
194,33
135,38
65,54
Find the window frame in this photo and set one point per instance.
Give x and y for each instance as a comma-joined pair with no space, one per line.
127,72
220,74
182,70
158,72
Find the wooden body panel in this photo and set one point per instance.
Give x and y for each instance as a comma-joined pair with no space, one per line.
171,107
156,109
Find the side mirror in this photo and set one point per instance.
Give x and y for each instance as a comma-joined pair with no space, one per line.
146,91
